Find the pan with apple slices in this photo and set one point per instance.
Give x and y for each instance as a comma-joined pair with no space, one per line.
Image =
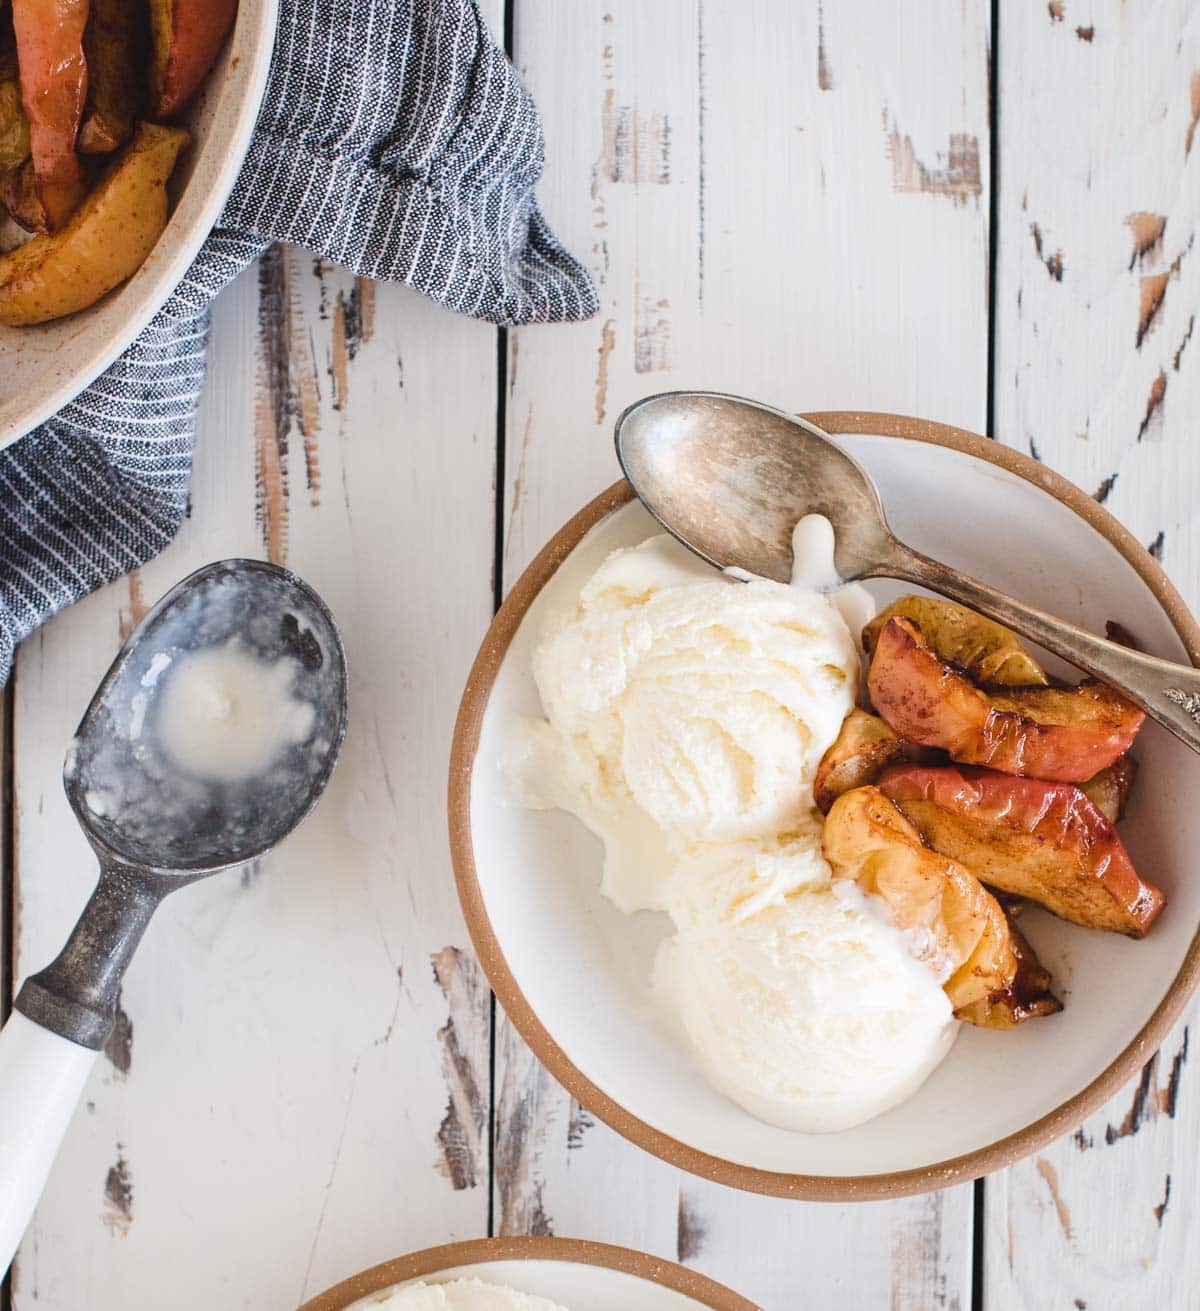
1061,734
1045,841
955,926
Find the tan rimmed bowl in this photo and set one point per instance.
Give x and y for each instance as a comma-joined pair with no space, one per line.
572,972
578,1275
45,366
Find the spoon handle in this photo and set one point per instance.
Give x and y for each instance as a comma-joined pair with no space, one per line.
1168,692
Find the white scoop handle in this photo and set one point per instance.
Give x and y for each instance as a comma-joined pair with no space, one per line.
41,1079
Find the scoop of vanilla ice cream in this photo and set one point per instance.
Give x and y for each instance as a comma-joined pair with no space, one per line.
455,1295
686,715
811,1013
723,882
702,703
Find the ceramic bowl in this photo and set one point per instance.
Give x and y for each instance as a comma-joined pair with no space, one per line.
579,1276
572,972
44,366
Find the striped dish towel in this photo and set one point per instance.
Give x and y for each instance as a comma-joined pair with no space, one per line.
395,139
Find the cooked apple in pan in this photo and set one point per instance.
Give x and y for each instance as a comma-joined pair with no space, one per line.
864,748
956,926
14,126
1044,841
1061,734
187,36
115,47
104,242
53,77
985,650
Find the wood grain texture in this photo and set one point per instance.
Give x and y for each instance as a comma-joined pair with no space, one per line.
300,1084
1097,373
774,199
790,201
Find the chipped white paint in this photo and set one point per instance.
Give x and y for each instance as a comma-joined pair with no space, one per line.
788,202
785,200
1098,372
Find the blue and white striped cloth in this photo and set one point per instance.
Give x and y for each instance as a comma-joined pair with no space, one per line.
395,139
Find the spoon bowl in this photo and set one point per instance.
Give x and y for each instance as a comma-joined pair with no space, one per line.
731,479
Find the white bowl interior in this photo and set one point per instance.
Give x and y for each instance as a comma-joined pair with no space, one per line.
573,1284
584,967
43,367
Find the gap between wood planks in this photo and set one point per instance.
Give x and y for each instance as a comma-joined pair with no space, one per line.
8,916
979,1191
497,598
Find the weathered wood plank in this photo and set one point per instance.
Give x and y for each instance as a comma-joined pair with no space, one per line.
301,1085
1096,373
777,200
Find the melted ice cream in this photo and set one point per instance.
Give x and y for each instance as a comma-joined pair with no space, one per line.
224,714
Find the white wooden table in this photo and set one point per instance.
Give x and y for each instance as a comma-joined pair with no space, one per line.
930,207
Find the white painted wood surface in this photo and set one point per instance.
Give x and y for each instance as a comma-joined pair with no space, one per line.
791,201
292,1028
1097,371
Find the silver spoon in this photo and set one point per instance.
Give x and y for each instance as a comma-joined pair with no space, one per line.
731,478
156,828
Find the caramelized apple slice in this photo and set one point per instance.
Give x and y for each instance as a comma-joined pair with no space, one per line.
987,651
106,239
1027,998
1109,790
953,924
1063,734
864,748
53,86
1044,841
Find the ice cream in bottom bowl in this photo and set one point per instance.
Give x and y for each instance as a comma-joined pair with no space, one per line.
467,1294
686,714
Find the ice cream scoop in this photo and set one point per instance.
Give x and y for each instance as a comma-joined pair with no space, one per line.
730,478
162,811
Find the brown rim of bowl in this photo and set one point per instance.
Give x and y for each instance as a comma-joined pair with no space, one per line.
476,1251
820,1188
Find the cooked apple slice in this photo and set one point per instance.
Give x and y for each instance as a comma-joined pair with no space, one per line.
19,195
1109,790
864,748
53,86
953,923
1028,997
987,651
106,240
1062,734
187,36
115,44
1044,841
14,126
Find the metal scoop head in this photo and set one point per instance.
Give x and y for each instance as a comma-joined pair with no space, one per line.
133,801
731,479
156,826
